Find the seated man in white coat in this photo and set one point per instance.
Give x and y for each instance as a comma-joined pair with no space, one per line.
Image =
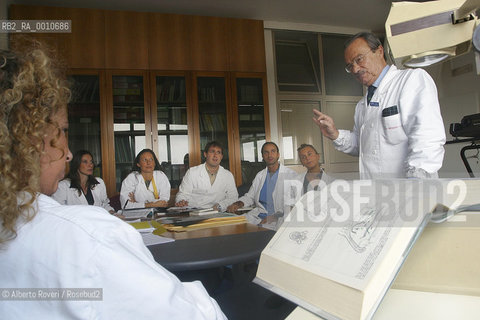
208,185
315,177
270,191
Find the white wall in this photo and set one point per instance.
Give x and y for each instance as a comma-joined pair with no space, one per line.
273,101
271,80
271,77
459,94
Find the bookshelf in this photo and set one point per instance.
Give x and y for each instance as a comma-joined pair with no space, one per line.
129,122
115,114
212,112
250,102
84,117
172,126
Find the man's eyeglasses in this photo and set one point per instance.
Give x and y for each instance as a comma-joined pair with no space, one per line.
359,61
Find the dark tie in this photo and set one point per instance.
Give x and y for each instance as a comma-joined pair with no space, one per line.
371,91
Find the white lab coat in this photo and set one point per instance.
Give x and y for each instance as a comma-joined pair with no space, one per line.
408,144
83,247
284,195
326,179
69,196
135,183
199,192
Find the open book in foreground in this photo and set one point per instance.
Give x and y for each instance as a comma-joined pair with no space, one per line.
340,248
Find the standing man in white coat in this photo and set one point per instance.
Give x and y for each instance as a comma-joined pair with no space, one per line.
398,130
270,193
208,185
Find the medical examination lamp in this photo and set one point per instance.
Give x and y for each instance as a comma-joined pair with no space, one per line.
421,34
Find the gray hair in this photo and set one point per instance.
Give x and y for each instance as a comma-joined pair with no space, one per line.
371,39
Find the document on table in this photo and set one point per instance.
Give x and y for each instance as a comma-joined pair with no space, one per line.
151,239
142,226
136,213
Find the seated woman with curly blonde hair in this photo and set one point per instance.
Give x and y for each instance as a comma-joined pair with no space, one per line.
47,245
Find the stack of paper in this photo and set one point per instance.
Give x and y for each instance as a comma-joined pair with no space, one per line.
151,232
181,224
136,213
202,212
151,239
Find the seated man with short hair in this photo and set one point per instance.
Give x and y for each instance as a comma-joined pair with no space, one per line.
315,177
269,191
208,185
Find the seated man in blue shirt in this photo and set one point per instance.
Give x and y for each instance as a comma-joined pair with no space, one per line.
268,191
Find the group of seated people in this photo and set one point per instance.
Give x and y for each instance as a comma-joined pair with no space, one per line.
273,192
45,245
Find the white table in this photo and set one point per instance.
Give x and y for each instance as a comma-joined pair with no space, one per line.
412,305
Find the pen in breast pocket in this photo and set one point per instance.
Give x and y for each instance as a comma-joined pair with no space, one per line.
390,111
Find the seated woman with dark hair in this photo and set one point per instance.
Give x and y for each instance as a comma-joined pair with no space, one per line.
80,186
147,185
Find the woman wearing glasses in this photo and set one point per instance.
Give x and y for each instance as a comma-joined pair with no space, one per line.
147,186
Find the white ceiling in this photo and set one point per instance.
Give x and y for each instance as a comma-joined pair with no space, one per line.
361,14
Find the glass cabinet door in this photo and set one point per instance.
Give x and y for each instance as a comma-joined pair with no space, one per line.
84,118
251,124
172,127
128,123
212,112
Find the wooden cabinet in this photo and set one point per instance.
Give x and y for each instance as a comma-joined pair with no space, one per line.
231,109
208,40
129,103
166,82
85,111
251,126
84,47
151,41
246,45
116,113
169,42
211,105
171,112
36,13
126,40
205,43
